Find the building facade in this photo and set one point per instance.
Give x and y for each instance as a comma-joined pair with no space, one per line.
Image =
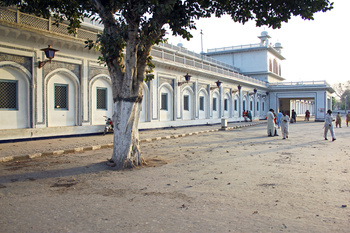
72,93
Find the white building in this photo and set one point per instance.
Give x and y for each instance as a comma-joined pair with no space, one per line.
72,94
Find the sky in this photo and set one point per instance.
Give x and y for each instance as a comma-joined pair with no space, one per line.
314,50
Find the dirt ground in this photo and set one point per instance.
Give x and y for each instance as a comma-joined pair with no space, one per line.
225,181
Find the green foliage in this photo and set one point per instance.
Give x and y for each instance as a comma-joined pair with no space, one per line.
148,18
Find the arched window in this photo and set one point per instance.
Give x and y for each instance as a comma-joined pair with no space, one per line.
279,70
270,65
275,67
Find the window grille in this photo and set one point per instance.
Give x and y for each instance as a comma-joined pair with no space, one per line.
214,104
61,96
186,103
235,105
251,105
226,104
243,105
257,106
101,95
164,101
8,94
201,103
263,106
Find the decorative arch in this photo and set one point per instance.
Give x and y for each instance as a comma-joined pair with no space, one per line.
57,116
187,103
215,103
203,104
227,104
100,84
144,113
275,66
165,102
21,117
245,103
18,67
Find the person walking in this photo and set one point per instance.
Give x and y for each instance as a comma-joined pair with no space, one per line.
307,115
328,125
279,115
294,117
347,119
270,123
338,120
285,125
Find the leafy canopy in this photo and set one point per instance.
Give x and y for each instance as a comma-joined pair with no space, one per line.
148,17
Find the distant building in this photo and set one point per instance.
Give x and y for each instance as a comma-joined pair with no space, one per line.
72,94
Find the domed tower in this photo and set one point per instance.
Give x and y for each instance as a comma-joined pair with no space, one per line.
264,38
278,47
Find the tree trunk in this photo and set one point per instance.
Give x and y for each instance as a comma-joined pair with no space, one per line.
126,149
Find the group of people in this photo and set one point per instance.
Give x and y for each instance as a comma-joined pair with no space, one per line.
338,120
280,120
247,115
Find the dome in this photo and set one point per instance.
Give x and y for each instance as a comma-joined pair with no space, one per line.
278,45
180,45
264,33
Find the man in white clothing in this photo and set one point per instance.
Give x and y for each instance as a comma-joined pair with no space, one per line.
270,123
328,125
285,125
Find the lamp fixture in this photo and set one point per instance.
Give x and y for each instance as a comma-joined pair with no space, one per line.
187,78
49,53
218,84
239,87
255,90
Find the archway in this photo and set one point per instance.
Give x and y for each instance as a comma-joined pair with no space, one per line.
203,104
187,103
62,98
165,102
14,96
101,99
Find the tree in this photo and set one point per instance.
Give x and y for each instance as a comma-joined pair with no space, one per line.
340,88
132,27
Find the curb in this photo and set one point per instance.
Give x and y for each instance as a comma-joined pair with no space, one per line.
110,145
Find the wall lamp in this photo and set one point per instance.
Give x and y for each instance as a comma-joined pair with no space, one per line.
49,53
218,84
187,78
255,91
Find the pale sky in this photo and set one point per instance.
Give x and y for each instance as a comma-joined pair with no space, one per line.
314,50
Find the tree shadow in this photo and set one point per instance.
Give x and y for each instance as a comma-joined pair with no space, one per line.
56,173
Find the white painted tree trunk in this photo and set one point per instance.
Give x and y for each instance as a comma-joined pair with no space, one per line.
126,149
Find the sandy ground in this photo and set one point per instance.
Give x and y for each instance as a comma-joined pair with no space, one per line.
225,181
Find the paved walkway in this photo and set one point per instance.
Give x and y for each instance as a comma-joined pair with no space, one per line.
37,148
